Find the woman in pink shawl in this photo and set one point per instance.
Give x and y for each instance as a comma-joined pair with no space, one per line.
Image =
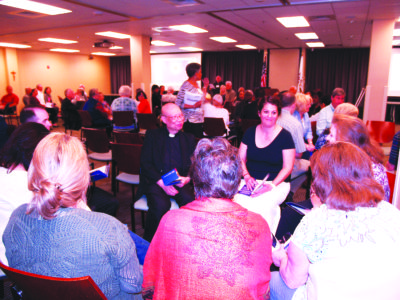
211,248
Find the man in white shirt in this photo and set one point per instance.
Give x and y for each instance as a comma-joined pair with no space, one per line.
326,114
217,110
40,95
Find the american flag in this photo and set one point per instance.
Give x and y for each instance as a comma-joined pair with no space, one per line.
264,75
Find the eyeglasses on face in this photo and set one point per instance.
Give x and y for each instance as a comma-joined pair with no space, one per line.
175,118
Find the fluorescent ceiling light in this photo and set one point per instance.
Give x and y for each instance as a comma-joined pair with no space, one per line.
246,46
188,28
103,53
11,45
36,7
315,44
396,32
114,34
161,43
307,36
396,43
116,47
64,50
223,39
290,22
152,51
59,41
191,49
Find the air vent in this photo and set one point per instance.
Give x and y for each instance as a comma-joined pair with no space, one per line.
163,29
321,18
103,44
182,3
27,14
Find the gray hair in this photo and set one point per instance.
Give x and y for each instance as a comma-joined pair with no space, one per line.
124,90
216,169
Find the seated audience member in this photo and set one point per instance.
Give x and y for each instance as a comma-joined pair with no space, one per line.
230,95
40,95
70,240
9,102
105,107
217,110
351,232
222,92
303,104
95,108
125,103
26,98
36,114
344,109
391,165
212,248
80,95
250,110
51,107
353,130
156,99
165,149
4,131
293,90
217,85
33,100
71,117
169,97
144,105
15,158
326,114
317,104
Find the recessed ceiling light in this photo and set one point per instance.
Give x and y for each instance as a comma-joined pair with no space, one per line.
315,44
59,41
161,43
290,22
223,39
103,53
246,46
11,45
114,34
116,47
188,28
64,50
307,36
396,32
191,49
36,7
396,43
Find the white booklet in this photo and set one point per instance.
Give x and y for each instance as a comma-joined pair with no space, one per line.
192,98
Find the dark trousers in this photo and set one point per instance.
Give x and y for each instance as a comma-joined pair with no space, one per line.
159,204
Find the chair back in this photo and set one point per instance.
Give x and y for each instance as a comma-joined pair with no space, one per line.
128,137
123,118
147,121
126,157
247,123
231,109
381,131
35,287
214,126
96,140
86,118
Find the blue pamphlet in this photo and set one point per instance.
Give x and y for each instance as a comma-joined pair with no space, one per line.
171,178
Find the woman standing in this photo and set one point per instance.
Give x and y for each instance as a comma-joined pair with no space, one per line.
190,98
267,148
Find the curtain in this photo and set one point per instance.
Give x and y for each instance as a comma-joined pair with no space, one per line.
327,69
243,68
120,72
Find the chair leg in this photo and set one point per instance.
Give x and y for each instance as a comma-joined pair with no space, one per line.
143,220
133,217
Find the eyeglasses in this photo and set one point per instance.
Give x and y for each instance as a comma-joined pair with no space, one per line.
175,118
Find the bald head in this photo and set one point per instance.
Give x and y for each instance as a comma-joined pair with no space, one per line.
172,117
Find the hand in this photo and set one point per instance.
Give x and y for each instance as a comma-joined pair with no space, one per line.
310,147
168,189
197,104
278,254
263,189
184,181
250,182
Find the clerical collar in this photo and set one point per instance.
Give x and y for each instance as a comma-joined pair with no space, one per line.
171,135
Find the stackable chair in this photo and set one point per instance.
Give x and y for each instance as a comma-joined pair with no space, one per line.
146,121
128,138
123,119
86,120
213,127
37,287
97,142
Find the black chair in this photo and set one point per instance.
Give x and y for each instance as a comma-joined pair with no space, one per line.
128,138
147,121
123,119
37,287
97,142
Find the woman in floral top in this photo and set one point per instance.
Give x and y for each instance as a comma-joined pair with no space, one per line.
348,247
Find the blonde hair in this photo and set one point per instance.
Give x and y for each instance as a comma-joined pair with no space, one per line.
346,109
301,102
58,175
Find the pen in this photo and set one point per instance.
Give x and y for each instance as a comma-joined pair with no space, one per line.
260,184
